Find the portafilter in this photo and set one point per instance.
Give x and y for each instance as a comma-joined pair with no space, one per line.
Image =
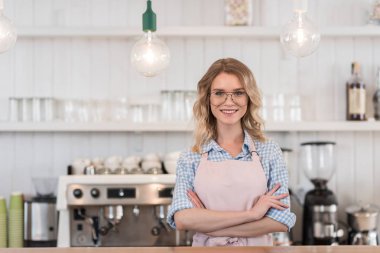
113,214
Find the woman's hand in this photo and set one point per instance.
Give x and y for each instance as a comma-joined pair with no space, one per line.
267,201
195,199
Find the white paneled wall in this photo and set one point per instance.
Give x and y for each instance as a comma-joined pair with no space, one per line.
100,68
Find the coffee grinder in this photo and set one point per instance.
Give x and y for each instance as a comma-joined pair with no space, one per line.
40,215
320,224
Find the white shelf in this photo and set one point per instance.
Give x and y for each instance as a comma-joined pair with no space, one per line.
190,31
323,126
94,127
327,126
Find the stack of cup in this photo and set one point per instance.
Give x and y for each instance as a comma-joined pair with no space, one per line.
16,220
3,223
151,164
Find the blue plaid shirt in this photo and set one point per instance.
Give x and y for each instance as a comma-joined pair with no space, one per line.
271,159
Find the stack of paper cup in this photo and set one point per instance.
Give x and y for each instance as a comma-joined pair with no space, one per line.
16,220
3,223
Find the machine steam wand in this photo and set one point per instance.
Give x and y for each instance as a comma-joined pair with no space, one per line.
94,223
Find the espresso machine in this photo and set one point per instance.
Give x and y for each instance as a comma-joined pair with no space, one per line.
40,215
117,210
320,222
363,221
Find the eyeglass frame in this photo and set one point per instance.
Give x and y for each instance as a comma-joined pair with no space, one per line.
232,94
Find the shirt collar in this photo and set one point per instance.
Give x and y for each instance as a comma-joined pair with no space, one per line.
213,145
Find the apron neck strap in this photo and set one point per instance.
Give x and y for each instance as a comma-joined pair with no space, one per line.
252,147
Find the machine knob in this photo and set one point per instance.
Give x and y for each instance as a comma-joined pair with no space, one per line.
155,231
77,193
95,193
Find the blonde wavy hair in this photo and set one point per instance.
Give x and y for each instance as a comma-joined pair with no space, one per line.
205,122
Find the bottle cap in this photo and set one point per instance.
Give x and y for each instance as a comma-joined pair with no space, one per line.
355,67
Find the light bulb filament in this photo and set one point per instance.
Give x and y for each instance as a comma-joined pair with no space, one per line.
149,56
149,36
300,36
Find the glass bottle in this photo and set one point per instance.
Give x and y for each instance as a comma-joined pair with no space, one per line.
238,12
376,96
356,95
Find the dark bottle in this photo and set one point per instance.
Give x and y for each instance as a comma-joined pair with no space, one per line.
376,96
356,95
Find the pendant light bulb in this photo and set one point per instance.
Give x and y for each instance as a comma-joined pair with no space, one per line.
150,55
8,35
300,37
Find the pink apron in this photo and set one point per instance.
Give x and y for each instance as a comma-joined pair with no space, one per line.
230,185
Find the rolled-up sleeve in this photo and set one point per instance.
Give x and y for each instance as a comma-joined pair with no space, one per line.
184,182
278,173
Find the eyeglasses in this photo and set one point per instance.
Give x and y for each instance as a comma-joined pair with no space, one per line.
217,98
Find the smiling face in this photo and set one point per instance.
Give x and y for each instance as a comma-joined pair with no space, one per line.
229,112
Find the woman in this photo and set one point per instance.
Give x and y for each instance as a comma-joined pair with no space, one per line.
232,187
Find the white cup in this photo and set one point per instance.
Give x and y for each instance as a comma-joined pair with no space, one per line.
98,162
113,162
170,166
151,157
132,160
79,164
173,155
147,165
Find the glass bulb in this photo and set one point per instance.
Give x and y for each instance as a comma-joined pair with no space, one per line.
300,37
150,55
8,35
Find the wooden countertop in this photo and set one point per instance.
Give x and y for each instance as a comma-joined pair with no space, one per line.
296,249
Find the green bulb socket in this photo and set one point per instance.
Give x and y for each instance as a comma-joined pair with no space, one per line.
149,18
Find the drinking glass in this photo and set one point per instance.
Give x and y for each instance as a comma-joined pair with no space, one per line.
85,110
295,112
14,105
278,104
98,109
119,109
36,109
26,109
69,110
179,106
166,108
137,113
48,108
151,112
265,108
190,97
